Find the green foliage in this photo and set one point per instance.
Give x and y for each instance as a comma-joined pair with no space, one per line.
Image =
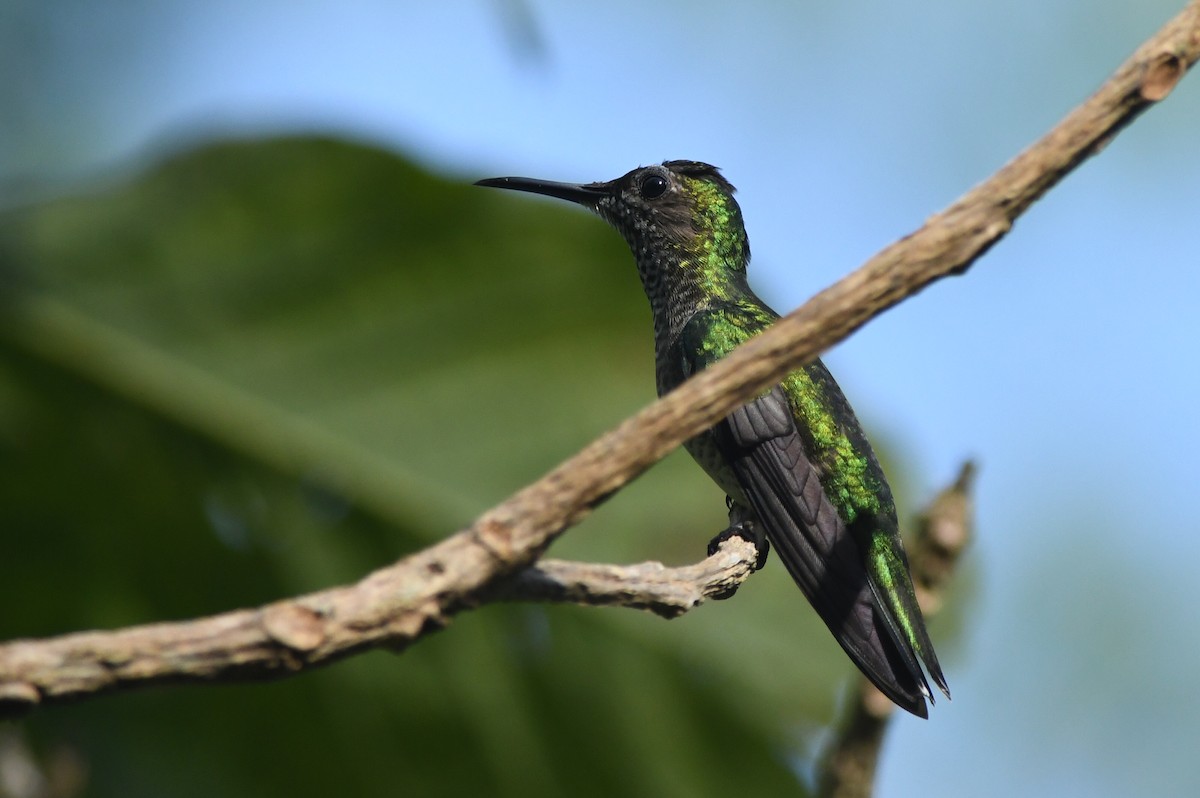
268,367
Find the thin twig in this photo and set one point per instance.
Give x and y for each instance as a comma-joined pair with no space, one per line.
667,592
397,605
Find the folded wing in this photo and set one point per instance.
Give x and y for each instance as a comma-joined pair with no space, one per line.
762,444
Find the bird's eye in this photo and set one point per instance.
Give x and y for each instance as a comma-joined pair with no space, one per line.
653,186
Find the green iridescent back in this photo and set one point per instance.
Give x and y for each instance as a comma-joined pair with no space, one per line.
851,475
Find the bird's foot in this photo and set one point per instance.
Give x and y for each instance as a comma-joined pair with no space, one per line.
746,530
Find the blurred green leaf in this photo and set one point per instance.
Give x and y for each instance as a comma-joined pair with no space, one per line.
269,366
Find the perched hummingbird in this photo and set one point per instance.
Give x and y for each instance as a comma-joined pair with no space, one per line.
794,462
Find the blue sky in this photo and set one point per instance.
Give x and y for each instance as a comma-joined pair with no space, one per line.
1065,361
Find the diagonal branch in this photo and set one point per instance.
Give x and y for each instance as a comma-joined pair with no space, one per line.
397,605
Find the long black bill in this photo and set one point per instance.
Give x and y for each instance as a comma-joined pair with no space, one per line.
584,194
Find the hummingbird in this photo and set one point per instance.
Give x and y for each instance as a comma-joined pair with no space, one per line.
794,462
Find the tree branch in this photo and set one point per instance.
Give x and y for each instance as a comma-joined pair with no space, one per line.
397,605
289,635
666,592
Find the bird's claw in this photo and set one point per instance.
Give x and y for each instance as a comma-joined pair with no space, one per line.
746,530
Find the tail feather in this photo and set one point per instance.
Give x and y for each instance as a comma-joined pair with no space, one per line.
858,584
834,581
894,594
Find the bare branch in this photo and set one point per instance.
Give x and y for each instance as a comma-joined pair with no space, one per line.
668,592
289,635
942,533
398,604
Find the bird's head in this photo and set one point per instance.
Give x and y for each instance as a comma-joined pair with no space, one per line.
671,212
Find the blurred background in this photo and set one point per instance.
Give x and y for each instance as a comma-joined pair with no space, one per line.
260,336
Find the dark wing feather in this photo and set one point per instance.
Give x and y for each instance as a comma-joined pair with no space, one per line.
767,454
